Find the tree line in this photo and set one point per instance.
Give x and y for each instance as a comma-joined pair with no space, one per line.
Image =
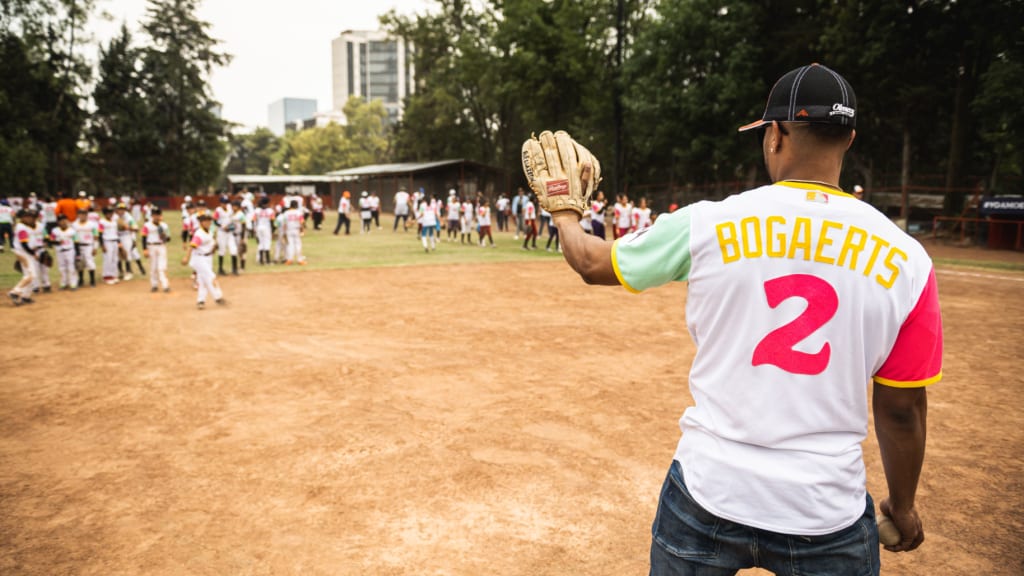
656,88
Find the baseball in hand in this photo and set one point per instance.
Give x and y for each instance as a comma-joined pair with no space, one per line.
888,533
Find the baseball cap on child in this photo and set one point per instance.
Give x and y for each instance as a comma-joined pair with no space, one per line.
812,93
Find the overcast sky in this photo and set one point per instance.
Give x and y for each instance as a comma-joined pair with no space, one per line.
281,48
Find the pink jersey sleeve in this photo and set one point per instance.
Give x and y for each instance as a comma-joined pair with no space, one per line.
196,241
23,236
916,358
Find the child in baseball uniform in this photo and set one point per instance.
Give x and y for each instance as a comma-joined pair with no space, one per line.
40,240
63,239
26,259
466,222
87,235
641,216
264,223
200,257
127,228
294,228
426,215
365,212
623,216
155,236
110,244
223,217
240,219
6,224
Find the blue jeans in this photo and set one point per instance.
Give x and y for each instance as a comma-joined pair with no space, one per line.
690,541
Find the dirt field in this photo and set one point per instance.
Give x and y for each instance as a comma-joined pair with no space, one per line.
423,421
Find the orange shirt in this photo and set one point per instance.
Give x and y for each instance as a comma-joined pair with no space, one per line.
67,207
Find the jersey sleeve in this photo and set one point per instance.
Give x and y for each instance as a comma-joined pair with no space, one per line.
655,255
916,358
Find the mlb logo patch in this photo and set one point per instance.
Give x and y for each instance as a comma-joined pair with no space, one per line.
816,196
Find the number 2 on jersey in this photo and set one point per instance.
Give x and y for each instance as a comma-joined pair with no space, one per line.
777,347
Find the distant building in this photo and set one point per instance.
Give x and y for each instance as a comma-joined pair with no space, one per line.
372,65
287,111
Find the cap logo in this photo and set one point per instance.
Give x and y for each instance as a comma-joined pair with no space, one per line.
802,113
841,110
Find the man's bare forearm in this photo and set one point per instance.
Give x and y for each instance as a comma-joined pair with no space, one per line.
589,256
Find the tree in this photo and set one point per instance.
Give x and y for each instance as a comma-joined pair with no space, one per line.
251,153
176,64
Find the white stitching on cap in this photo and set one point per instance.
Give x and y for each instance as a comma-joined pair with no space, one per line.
796,87
842,88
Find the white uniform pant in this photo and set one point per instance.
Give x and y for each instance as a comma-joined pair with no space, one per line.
295,247
263,238
226,243
110,256
66,266
28,274
42,278
158,265
87,253
131,251
205,278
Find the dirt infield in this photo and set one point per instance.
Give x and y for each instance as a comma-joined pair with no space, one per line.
422,421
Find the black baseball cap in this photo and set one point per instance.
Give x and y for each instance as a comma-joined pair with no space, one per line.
812,93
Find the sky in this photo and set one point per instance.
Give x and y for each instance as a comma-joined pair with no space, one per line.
281,48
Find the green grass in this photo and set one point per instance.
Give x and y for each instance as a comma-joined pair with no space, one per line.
324,251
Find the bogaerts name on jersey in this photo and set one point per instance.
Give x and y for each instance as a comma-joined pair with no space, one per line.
823,241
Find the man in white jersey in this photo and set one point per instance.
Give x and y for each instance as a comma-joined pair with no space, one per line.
87,235
227,243
127,228
798,296
344,207
401,210
200,257
110,244
452,210
155,237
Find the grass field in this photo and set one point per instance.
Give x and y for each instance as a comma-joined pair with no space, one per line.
324,251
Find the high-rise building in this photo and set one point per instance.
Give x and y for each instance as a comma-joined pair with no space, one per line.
284,112
372,65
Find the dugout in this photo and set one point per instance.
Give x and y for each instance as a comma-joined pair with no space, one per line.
280,185
465,176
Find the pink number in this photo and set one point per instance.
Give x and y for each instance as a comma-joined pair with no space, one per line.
777,347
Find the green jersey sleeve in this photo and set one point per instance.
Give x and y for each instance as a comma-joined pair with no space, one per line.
656,255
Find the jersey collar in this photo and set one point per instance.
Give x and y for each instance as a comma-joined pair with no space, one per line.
803,185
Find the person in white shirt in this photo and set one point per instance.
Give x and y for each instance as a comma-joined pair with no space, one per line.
127,228
87,235
344,207
110,244
264,218
365,212
294,229
641,216
453,209
426,216
622,217
155,236
375,209
227,243
466,222
528,212
483,220
501,208
63,239
596,219
401,210
200,257
38,243
26,257
6,224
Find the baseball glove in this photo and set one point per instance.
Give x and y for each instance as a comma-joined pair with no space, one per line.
553,165
45,259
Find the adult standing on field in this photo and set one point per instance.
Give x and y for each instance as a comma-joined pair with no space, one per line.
344,206
798,295
401,210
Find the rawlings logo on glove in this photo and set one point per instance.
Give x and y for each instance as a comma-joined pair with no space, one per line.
554,166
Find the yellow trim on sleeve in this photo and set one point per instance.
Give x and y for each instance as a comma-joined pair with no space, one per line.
910,384
618,273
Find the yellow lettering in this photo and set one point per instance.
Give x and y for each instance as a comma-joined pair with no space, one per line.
727,242
781,252
824,240
801,238
888,282
853,248
751,229
879,244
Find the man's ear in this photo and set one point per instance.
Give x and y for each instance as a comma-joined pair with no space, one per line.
853,136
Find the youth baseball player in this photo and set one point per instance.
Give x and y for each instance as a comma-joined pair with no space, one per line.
200,257
453,209
127,228
155,236
240,219
483,219
87,235
622,216
798,295
6,224
641,216
528,212
110,244
401,210
63,239
294,229
365,212
227,244
25,256
597,206
466,222
427,217
264,222
38,243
